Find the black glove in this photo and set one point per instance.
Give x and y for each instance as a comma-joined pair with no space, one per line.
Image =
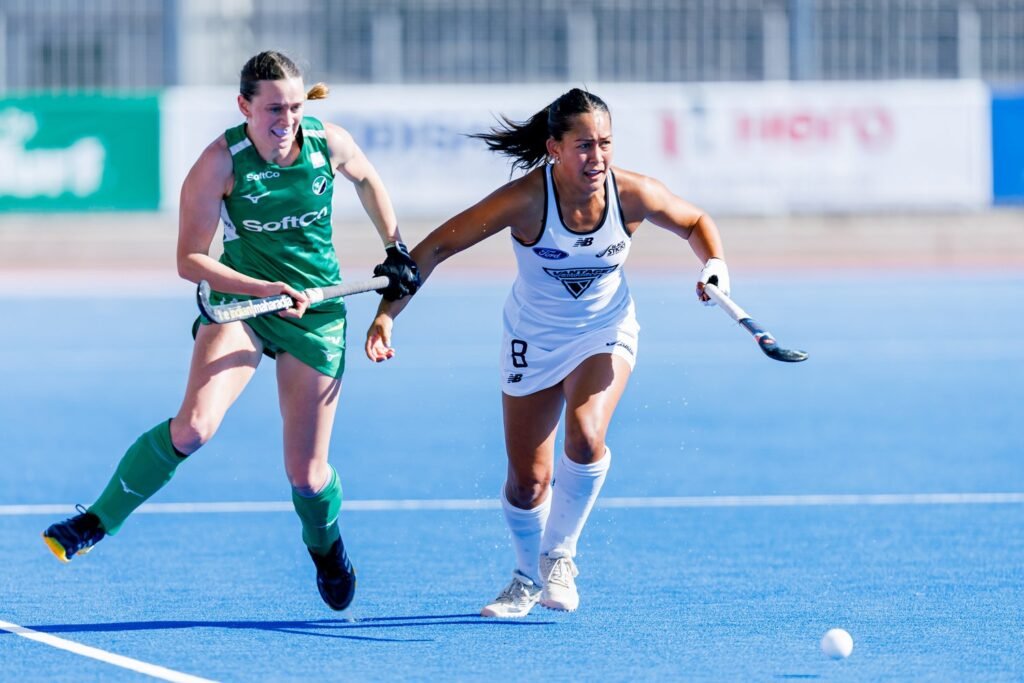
401,271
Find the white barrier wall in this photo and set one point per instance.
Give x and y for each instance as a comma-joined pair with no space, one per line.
759,148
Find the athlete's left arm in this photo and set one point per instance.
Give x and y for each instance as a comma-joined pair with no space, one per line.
349,160
398,266
647,198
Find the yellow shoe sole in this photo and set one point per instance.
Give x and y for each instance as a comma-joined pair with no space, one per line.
56,548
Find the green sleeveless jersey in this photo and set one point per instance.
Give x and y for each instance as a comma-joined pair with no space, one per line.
277,219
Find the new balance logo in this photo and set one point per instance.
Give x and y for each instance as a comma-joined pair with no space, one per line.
583,242
255,198
514,377
578,280
333,339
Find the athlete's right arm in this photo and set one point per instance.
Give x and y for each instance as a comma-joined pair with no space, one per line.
512,204
205,186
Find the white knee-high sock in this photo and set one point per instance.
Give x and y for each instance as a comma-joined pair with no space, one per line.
572,497
526,527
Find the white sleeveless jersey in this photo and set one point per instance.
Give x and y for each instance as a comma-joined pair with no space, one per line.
570,283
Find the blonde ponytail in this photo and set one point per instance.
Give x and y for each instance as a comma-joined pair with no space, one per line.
319,91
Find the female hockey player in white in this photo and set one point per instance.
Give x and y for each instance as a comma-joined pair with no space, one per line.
570,338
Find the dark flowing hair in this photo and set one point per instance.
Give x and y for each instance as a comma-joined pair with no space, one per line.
273,66
526,141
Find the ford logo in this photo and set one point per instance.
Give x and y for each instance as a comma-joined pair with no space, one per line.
551,254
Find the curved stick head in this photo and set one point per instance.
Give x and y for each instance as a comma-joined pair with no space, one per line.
766,342
776,352
203,300
786,355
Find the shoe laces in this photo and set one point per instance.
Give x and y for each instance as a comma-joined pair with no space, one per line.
515,592
562,572
86,527
84,522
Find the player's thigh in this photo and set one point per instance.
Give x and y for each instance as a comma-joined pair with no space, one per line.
592,392
224,359
531,422
308,400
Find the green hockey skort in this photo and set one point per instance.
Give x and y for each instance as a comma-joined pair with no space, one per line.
317,338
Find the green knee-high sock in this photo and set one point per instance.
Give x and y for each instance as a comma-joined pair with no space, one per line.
319,515
147,465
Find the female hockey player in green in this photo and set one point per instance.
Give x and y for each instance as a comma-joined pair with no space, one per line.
270,181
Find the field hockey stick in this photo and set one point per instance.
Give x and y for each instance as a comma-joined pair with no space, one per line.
253,308
763,337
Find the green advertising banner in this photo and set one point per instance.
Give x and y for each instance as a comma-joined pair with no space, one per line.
79,153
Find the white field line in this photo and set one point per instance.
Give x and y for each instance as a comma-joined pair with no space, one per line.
620,503
102,655
815,500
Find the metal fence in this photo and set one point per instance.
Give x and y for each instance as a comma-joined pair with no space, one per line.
139,44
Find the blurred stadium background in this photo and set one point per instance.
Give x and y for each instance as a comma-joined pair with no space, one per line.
817,132
864,160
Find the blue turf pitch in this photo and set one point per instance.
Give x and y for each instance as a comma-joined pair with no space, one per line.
913,387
